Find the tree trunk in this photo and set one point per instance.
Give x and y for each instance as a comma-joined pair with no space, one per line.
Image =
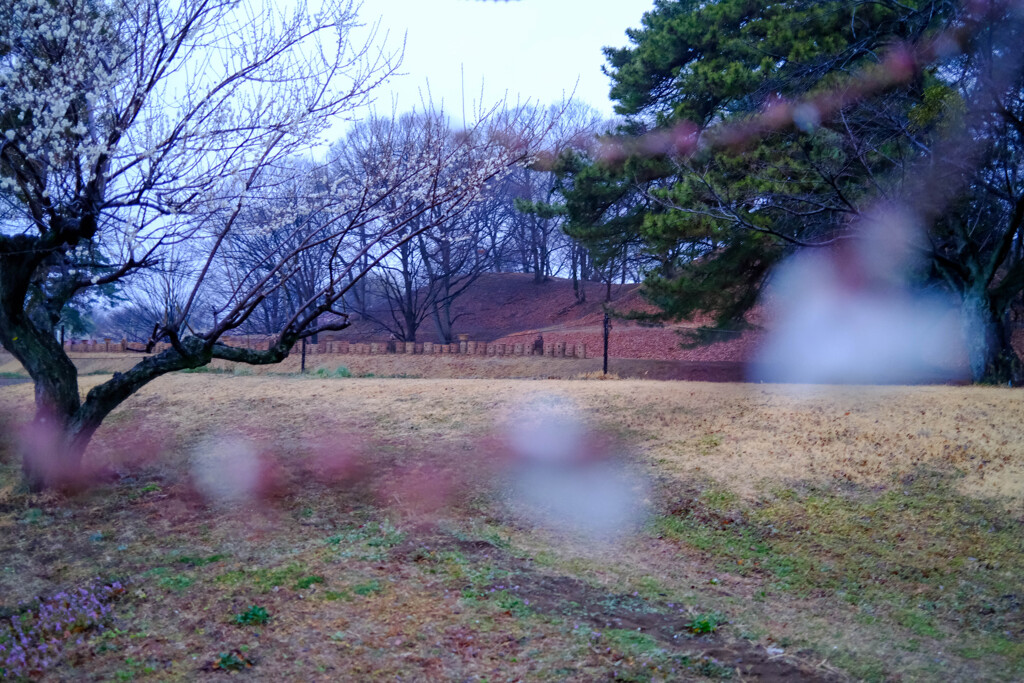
535,255
51,452
990,354
52,448
55,442
411,325
56,397
577,287
409,296
443,321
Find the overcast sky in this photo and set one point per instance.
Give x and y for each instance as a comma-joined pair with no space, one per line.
536,49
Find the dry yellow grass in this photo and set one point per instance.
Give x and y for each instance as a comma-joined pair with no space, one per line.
863,569
745,437
439,366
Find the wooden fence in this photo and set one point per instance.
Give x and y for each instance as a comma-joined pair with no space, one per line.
465,348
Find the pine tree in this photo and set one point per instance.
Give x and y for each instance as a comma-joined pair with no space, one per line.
718,197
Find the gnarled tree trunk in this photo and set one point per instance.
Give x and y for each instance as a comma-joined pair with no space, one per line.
990,353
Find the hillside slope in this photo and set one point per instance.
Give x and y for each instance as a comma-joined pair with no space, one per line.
511,307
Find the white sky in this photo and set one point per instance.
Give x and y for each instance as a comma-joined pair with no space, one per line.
529,49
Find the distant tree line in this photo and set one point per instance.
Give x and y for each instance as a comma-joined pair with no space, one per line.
513,225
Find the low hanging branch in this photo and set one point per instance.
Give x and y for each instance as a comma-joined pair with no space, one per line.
93,160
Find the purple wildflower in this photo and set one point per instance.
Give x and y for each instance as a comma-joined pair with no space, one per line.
34,639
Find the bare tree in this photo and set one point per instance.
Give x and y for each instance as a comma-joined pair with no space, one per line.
300,195
536,226
423,277
397,296
452,261
149,131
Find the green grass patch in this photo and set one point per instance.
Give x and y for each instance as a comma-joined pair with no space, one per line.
170,579
307,581
369,542
263,580
999,645
176,582
367,588
512,603
340,372
200,561
917,556
917,621
331,596
630,642
708,443
254,616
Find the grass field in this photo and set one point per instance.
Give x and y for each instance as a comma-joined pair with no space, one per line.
858,533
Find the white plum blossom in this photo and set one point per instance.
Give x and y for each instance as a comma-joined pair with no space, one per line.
160,139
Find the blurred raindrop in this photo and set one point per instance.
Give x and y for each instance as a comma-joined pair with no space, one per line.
226,470
850,314
563,479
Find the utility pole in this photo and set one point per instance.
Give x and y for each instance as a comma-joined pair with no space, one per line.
607,329
607,318
303,369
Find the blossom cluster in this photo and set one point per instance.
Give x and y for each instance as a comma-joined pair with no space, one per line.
32,640
58,61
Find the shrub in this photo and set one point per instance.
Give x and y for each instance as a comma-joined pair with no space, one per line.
232,661
253,616
705,623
